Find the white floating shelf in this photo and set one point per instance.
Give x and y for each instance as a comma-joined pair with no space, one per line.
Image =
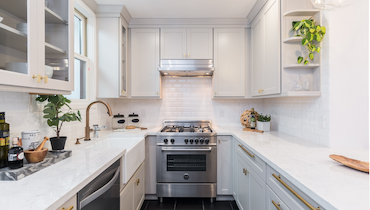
301,66
308,12
53,50
293,40
304,93
13,38
52,17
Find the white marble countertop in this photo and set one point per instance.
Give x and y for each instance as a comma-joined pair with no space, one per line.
309,167
53,186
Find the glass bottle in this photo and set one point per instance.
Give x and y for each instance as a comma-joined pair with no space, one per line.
253,119
4,141
297,86
306,84
16,155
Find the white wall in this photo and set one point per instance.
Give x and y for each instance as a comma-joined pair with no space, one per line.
184,99
349,76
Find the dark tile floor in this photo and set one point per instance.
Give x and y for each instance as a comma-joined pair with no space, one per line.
188,204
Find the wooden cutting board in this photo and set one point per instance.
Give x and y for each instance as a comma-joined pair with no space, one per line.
352,163
252,130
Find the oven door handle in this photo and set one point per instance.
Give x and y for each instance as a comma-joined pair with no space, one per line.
187,150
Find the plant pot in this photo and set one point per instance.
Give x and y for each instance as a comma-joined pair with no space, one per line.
263,126
58,144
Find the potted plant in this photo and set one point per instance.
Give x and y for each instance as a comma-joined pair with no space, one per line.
56,117
263,122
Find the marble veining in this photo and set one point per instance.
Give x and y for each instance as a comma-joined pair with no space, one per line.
51,158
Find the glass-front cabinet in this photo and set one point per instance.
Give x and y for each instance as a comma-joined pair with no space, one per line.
35,45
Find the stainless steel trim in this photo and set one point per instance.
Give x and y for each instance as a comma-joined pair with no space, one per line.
186,121
187,190
101,191
186,67
186,150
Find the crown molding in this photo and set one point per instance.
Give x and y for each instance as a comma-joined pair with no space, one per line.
187,22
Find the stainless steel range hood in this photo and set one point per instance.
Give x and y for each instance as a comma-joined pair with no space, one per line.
186,68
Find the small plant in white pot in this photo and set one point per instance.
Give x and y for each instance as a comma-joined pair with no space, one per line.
263,122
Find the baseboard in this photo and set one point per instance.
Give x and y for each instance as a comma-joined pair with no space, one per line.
151,197
224,198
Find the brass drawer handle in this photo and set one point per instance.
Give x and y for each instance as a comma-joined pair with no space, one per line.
246,151
260,90
296,194
277,205
137,181
245,171
70,208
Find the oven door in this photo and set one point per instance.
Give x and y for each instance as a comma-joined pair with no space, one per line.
186,164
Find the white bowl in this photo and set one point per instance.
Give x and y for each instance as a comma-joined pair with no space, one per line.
17,67
22,27
49,71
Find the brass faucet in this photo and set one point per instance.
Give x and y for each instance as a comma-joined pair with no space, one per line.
87,128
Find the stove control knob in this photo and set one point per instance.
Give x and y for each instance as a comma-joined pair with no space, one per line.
165,141
201,141
207,141
196,141
191,141
186,141
172,141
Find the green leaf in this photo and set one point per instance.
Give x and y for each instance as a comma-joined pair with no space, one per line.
318,49
318,28
297,35
300,59
305,62
312,30
308,36
318,37
304,41
311,56
299,25
323,30
295,24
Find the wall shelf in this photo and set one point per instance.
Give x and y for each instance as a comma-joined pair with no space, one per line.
301,66
13,38
51,49
17,8
308,12
304,93
52,17
293,40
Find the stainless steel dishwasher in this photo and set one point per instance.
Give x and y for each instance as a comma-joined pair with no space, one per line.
103,192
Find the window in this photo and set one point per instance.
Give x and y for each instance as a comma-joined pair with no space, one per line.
81,61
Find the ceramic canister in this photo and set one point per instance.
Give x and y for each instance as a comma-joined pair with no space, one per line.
31,139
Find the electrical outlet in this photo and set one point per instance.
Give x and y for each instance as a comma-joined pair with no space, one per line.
221,113
143,113
322,120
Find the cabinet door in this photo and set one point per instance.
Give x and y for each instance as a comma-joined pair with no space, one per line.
18,43
256,190
139,187
272,50
242,184
266,50
72,202
145,78
229,75
199,43
173,43
127,197
224,168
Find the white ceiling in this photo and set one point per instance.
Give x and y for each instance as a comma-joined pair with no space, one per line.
185,8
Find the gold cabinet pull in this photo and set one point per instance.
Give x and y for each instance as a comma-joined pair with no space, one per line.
246,151
277,205
46,79
215,93
219,141
188,55
260,90
184,55
70,208
245,171
295,193
38,78
157,93
137,181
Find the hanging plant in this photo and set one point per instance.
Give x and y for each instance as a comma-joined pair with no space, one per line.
312,35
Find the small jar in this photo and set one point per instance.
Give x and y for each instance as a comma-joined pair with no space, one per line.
119,122
133,119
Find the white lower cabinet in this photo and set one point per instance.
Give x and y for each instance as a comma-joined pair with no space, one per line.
70,204
251,188
133,194
224,168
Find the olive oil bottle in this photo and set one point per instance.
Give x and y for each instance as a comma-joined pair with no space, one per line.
4,141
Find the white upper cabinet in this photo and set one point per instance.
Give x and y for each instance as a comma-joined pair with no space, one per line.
112,67
266,50
199,43
190,43
145,78
33,35
229,53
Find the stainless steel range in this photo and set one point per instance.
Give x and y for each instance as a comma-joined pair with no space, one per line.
186,159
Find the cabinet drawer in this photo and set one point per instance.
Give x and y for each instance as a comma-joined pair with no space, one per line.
273,201
257,164
70,204
291,195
